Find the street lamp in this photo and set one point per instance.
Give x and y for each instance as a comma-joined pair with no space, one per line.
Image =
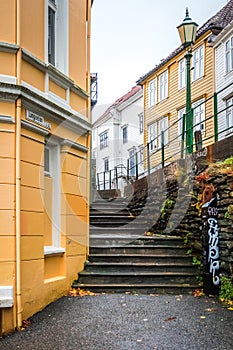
187,31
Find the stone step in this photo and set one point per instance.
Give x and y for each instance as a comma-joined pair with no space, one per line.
105,239
161,288
140,258
139,249
132,278
109,267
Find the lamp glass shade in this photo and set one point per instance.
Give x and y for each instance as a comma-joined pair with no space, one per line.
187,31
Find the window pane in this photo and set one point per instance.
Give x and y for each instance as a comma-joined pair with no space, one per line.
51,36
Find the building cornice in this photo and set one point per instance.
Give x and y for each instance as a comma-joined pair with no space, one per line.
7,47
75,145
36,129
36,103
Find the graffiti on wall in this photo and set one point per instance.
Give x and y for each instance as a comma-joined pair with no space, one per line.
211,258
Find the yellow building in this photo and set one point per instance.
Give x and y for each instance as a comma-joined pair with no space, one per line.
44,152
165,92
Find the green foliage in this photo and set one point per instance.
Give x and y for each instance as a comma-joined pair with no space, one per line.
197,261
229,213
228,161
167,204
226,289
186,238
189,252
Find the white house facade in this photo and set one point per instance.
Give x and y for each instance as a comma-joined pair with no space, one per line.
117,141
223,48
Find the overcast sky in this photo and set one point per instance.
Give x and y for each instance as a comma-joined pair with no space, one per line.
129,37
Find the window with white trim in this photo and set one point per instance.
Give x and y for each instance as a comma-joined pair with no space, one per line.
132,161
125,134
52,199
229,55
141,123
163,86
163,126
106,164
104,139
57,34
180,113
140,153
152,92
182,73
229,115
198,63
152,131
199,115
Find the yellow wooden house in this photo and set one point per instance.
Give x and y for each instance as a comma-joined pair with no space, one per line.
44,152
165,92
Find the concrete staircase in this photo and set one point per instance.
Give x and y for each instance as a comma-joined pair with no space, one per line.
122,258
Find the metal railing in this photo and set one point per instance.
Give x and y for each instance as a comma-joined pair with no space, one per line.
163,153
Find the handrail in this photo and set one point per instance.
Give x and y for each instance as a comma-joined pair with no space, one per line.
175,148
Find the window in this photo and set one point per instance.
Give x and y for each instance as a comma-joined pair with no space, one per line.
57,34
229,55
199,115
162,126
52,199
47,160
154,134
163,86
151,137
198,63
132,161
141,126
181,112
125,134
182,74
229,114
51,32
152,93
104,140
106,164
140,153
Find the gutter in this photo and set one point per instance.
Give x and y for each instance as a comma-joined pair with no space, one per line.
18,177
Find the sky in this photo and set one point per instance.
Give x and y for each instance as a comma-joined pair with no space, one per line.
129,37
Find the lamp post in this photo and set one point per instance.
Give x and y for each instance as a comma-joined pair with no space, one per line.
187,31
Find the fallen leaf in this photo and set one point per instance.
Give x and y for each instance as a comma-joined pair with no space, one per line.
202,317
170,318
79,292
198,293
210,309
230,308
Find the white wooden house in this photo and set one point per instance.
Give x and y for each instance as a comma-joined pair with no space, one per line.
223,48
117,140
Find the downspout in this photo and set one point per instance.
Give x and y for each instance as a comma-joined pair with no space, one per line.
18,175
89,115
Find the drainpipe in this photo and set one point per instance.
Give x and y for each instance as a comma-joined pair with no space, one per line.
18,176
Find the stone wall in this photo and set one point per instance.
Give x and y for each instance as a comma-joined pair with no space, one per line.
170,199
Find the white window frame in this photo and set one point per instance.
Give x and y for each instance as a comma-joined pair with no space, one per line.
152,131
106,164
163,86
141,123
163,126
61,34
180,113
182,74
152,92
125,134
140,153
104,139
229,54
199,115
54,171
229,115
132,161
198,63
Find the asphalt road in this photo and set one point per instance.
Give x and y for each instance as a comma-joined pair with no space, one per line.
127,322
